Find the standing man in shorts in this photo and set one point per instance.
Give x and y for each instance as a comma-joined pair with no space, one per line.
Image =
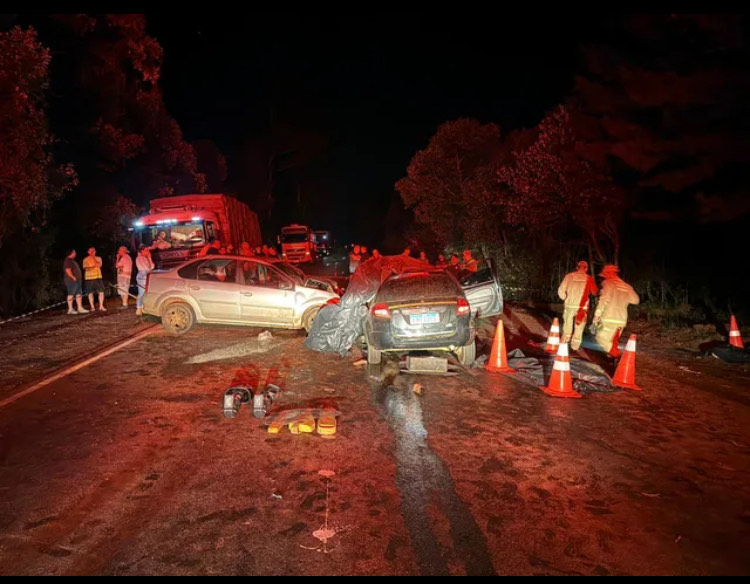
124,267
73,282
92,267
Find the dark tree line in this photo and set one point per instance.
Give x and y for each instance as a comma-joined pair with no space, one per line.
652,142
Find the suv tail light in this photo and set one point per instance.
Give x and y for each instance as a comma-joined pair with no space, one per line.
462,307
381,311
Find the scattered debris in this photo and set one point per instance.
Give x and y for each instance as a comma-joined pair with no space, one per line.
356,353
327,424
269,395
303,424
276,496
265,337
685,368
234,397
327,473
360,363
259,405
652,495
479,362
304,421
417,388
677,540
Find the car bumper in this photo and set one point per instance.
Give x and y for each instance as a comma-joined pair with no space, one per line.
381,337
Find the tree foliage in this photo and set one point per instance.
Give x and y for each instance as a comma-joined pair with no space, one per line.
30,180
664,104
131,136
451,184
553,187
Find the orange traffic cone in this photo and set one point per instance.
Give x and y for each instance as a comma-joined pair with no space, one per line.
498,359
735,339
553,339
625,373
561,382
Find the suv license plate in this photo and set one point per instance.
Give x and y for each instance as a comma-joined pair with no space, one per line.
429,318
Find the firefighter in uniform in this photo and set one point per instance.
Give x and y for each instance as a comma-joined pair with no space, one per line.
611,314
575,290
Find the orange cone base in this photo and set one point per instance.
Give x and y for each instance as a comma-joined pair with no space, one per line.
492,369
554,393
632,386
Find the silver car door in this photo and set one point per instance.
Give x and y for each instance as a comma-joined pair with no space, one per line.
267,296
216,290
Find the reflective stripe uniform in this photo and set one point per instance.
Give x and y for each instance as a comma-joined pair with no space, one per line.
612,310
572,290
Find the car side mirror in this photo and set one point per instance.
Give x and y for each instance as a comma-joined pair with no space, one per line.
286,285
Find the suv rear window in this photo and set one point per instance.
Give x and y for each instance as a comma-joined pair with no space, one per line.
418,286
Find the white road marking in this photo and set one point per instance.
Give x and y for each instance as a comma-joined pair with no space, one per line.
77,366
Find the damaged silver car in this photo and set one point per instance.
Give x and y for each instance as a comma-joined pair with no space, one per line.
234,290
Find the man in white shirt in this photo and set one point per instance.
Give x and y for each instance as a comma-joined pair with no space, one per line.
124,267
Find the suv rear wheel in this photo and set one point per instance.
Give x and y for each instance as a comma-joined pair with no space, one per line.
373,355
468,354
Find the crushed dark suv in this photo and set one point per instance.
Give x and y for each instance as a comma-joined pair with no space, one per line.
420,310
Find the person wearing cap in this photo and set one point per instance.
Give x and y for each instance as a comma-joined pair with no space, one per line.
145,265
611,314
575,290
124,267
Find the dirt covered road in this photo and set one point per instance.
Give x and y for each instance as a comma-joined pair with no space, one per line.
127,466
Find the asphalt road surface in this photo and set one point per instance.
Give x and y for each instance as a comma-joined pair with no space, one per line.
127,465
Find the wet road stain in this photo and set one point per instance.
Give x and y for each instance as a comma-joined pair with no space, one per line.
425,484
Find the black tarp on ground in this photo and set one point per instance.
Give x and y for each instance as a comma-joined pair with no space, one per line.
730,354
337,326
586,376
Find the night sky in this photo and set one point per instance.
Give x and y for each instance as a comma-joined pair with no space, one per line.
376,88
